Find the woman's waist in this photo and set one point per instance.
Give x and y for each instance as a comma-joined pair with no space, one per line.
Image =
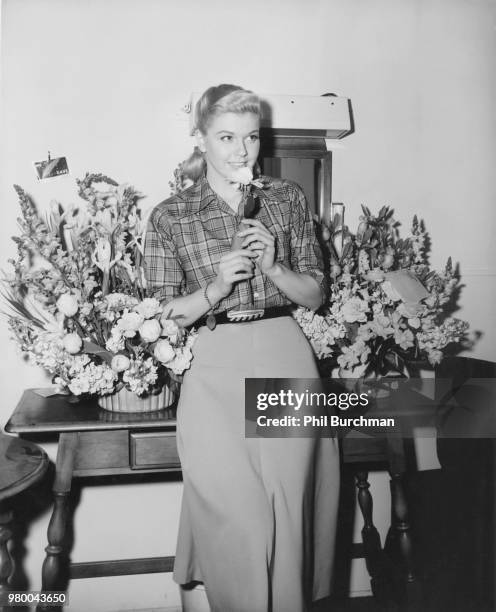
237,345
245,315
235,340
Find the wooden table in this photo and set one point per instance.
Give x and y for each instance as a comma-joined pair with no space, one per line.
391,568
94,442
22,464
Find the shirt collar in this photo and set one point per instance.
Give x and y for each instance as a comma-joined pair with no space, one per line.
206,195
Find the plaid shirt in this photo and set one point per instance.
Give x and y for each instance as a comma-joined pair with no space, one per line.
188,233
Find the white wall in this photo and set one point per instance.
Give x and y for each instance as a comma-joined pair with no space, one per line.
102,82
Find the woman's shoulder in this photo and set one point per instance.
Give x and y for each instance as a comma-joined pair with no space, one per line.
280,188
180,204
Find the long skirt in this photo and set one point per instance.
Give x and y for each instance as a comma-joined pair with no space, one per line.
258,515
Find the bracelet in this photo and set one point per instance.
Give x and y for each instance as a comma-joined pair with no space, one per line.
211,323
205,295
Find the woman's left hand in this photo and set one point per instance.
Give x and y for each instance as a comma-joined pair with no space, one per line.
258,238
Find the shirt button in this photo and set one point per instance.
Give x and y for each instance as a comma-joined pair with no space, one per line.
256,294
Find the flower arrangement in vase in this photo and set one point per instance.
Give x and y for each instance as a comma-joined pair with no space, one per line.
79,304
387,310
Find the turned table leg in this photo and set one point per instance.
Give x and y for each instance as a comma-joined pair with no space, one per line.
370,536
400,536
58,522
400,524
6,563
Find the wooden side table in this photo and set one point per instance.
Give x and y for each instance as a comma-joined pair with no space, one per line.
22,464
365,454
93,442
391,568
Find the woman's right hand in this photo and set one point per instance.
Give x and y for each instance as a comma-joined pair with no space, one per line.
233,267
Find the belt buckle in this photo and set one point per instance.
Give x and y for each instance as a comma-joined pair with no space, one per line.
238,316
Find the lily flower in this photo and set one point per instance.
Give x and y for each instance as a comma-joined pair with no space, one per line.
102,255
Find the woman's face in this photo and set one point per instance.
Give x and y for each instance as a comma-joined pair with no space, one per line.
231,142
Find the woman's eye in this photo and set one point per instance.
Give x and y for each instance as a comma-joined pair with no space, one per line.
226,138
253,137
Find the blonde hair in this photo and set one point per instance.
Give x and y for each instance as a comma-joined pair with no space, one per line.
213,102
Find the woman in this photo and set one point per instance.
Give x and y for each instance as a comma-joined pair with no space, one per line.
258,515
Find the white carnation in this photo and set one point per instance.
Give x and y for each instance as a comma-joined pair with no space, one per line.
72,343
67,304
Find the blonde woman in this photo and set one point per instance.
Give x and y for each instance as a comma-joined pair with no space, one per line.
258,516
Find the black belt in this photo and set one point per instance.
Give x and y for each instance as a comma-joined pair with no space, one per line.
269,313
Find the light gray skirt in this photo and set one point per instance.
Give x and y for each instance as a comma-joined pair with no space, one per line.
258,516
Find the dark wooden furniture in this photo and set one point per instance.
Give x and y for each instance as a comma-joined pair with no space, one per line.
466,393
22,464
391,568
275,149
93,442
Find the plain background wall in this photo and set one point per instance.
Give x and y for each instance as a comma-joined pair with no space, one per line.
103,81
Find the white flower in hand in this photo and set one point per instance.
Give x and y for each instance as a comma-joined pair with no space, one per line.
242,175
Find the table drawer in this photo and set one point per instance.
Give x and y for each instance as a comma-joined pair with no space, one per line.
153,449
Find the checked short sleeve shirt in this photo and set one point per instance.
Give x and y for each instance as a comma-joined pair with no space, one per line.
188,233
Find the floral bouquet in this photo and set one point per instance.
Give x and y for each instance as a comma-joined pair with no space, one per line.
387,309
79,305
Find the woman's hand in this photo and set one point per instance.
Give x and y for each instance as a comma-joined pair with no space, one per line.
233,267
259,240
